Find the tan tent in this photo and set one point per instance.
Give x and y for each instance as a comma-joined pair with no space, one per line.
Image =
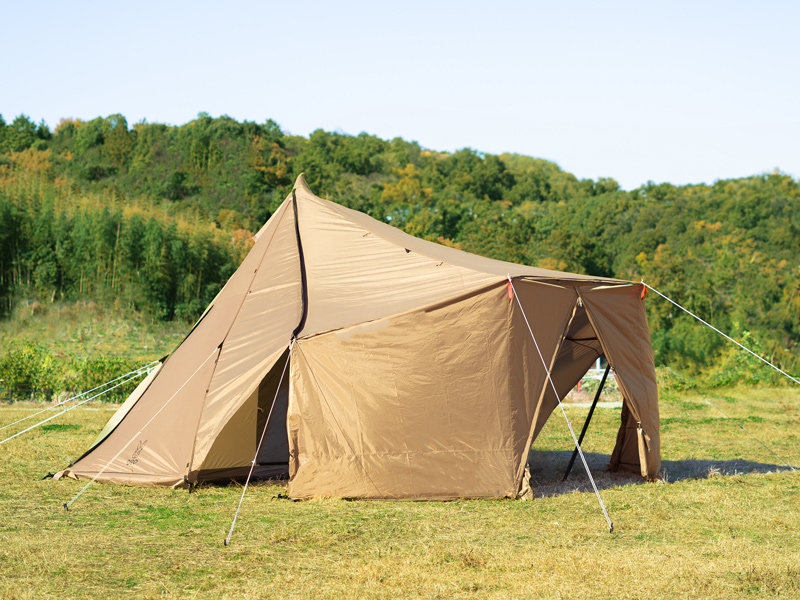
413,373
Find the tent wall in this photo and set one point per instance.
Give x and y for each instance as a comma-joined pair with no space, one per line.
270,310
414,406
166,445
123,410
625,456
549,309
148,446
436,403
355,275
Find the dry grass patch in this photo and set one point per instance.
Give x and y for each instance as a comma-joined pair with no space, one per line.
726,524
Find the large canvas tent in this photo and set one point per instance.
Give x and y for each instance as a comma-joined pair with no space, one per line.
381,366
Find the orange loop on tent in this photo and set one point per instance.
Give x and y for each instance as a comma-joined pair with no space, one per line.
644,292
510,291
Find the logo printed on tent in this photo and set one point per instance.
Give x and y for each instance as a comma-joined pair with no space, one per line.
135,456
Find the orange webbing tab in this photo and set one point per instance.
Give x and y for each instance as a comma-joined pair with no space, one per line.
510,291
644,291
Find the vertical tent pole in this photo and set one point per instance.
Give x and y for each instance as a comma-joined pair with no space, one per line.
586,424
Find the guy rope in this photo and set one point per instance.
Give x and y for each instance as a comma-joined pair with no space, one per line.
127,378
561,406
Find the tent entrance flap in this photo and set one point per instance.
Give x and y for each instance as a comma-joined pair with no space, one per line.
618,317
275,448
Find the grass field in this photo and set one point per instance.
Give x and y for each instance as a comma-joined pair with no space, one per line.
90,329
725,524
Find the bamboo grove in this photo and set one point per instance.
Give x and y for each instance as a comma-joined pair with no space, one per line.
154,218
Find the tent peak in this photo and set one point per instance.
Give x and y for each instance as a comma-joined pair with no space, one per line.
300,183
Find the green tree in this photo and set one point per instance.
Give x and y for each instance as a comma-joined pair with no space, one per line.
20,135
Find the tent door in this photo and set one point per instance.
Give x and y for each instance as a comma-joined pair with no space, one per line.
275,448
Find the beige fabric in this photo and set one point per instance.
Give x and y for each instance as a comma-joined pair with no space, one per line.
413,406
549,309
618,316
579,350
129,403
150,445
270,311
414,374
437,252
235,443
625,456
355,275
166,458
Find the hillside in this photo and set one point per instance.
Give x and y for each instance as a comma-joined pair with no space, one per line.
149,221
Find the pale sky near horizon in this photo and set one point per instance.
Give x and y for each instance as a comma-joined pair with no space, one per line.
679,92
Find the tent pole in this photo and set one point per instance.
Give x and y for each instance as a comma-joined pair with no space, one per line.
586,424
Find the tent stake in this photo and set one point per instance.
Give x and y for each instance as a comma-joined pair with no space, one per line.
586,424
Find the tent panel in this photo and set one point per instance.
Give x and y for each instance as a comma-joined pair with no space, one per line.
170,385
271,310
438,252
625,456
126,407
426,391
235,444
143,479
408,475
153,444
549,310
355,276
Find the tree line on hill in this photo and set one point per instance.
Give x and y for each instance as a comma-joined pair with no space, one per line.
155,218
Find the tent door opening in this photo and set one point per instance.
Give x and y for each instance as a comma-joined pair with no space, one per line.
274,451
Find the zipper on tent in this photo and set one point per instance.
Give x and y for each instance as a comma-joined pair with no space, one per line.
303,280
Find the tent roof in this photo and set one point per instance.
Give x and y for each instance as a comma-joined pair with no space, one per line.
439,252
359,269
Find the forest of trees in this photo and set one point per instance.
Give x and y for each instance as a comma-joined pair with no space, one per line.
155,218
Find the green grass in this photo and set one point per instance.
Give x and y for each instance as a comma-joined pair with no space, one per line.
726,523
50,351
86,329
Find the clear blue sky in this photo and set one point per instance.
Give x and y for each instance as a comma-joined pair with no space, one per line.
684,92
